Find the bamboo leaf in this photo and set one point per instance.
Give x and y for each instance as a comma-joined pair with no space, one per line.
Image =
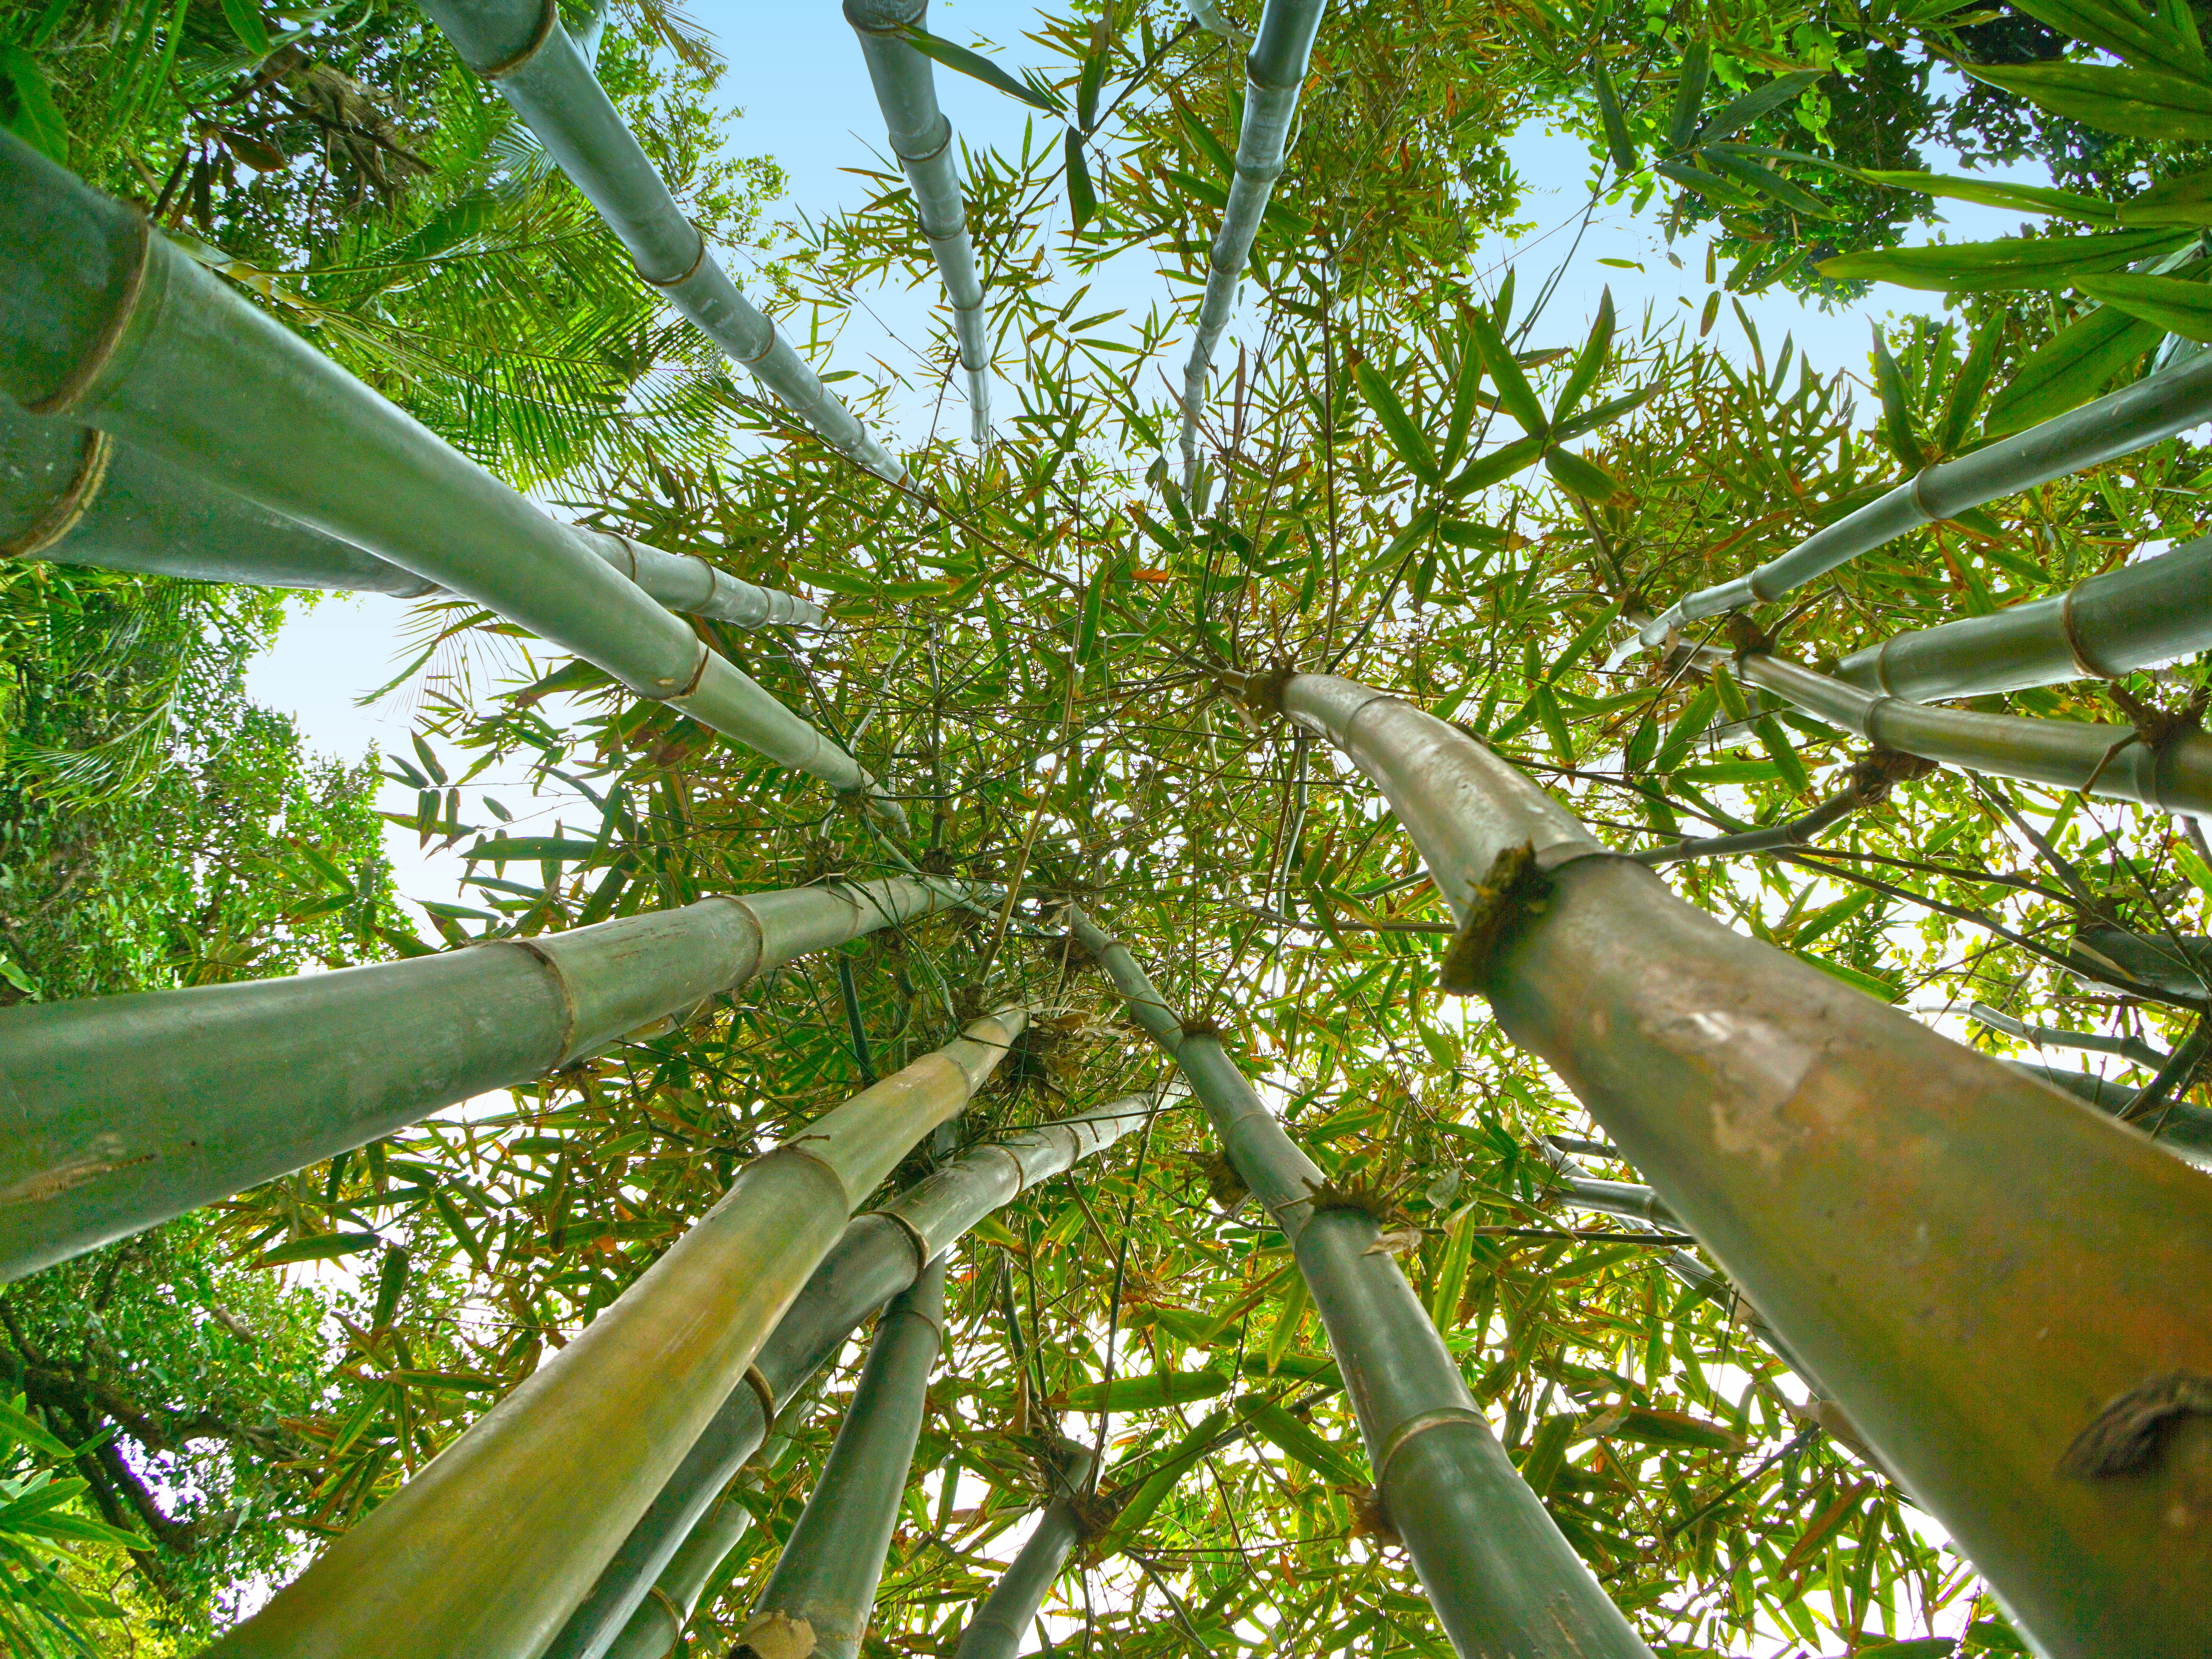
1298,1442
1651,1426
243,17
1824,1526
1409,441
980,68
2040,262
2070,369
2128,32
1590,363
325,1247
1689,92
32,115
1896,408
1740,111
1546,1452
1138,1394
1513,388
1604,414
1966,391
1697,714
1585,479
2183,201
1297,1298
1082,200
1765,181
525,848
1618,142
2134,103
2172,303
1985,193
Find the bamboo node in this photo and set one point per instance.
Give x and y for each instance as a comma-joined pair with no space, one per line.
1370,1517
1514,890
61,515
2156,729
548,19
1749,639
776,1635
1880,770
2129,1436
1223,1184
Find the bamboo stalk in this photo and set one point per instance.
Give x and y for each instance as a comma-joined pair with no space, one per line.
1274,71
877,1257
2109,625
520,47
73,496
2174,775
2049,1037
921,138
1501,1577
123,1111
1870,782
2131,418
490,1547
999,1625
1978,1269
110,323
824,1583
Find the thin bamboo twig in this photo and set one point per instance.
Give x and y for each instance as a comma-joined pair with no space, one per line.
1501,1577
107,323
1771,1106
443,1567
73,496
520,47
921,138
2131,418
126,1110
877,1255
1274,71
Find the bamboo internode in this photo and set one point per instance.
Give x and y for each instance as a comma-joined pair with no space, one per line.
2128,419
1501,1577
520,47
452,1563
921,138
74,495
126,1110
877,1256
998,1627
2109,625
1274,71
1981,1271
824,1582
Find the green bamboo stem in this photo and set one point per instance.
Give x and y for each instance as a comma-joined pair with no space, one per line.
493,1544
1501,1577
2050,1036
2107,761
1274,71
1976,1268
2109,625
123,1111
2131,418
74,495
1796,833
1207,14
877,1257
1624,1198
921,138
825,1580
998,1627
108,323
520,47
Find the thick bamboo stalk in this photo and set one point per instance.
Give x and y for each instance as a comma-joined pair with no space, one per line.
2128,419
1993,1280
825,1580
490,1547
106,322
74,495
2182,1127
2100,629
123,1111
520,47
2110,761
921,138
877,1256
1501,1577
1001,1624
1274,70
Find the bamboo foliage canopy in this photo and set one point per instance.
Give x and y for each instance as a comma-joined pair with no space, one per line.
1428,473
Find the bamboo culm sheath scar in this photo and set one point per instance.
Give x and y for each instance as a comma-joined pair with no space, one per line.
921,138
1001,1624
74,495
126,1110
824,1582
520,47
443,1567
877,1257
1977,1267
106,322
1274,71
1501,1577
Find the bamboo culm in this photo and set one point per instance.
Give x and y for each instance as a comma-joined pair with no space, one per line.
74,495
1978,1268
490,1547
2130,419
124,1111
520,47
105,321
825,1580
1274,70
1499,1574
2174,773
2109,625
998,1626
877,1256
921,138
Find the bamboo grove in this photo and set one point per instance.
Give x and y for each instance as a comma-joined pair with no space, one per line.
1337,963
